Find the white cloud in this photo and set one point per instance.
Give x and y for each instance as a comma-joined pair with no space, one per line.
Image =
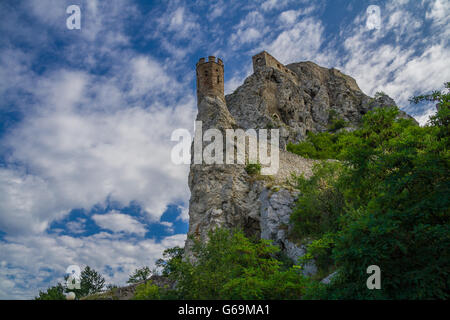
409,65
439,12
78,153
149,76
289,16
76,226
424,117
119,222
28,261
25,202
168,225
86,139
269,5
238,79
216,10
400,69
180,21
299,42
251,28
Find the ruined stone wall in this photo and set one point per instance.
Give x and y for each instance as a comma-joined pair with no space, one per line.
264,59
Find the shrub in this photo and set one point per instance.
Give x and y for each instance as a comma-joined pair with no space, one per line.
317,146
253,168
147,291
388,206
139,275
231,266
52,293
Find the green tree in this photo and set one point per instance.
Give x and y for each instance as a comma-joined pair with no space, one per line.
91,282
139,275
172,257
231,266
52,293
148,291
392,208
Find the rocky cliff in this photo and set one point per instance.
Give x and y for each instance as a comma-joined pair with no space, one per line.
296,99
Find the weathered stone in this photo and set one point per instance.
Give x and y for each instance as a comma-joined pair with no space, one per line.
297,99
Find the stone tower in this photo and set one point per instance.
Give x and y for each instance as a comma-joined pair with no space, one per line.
210,78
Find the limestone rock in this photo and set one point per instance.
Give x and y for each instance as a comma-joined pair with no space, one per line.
296,99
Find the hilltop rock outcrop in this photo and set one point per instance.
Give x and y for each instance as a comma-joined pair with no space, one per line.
296,99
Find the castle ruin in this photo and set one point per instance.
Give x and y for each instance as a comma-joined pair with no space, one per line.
265,59
210,74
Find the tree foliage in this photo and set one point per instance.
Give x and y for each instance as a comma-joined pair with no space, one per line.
90,282
140,275
231,266
52,293
387,205
148,291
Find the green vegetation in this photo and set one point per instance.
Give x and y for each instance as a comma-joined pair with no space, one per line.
52,293
139,275
318,146
231,266
91,282
335,122
172,257
253,168
379,94
384,203
147,291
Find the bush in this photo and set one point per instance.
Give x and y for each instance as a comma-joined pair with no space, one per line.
52,293
318,210
387,205
337,124
230,266
147,291
139,275
317,146
253,168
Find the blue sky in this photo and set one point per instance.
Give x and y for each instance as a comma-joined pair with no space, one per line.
86,115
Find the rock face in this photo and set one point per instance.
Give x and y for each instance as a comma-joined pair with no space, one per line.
307,101
296,99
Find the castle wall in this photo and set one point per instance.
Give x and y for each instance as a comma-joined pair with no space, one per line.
264,59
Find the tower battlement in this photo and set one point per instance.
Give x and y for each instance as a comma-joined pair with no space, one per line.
210,78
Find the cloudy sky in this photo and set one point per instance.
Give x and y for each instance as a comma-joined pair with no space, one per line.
86,115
